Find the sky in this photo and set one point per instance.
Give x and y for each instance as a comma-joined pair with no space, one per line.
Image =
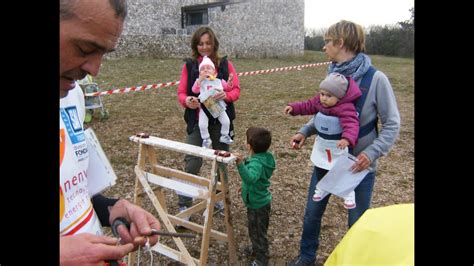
323,13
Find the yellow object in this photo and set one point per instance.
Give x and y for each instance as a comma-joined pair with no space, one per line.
382,236
212,77
61,204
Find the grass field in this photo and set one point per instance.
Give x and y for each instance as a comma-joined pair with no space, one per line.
262,100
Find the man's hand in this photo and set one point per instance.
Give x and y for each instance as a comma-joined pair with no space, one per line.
297,141
141,223
89,249
363,162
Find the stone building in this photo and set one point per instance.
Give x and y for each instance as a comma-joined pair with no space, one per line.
245,28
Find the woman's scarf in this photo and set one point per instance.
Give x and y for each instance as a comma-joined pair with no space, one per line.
354,68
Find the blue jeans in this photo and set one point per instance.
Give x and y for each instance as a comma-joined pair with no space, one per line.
315,209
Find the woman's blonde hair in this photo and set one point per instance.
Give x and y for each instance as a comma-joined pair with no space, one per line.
351,33
196,38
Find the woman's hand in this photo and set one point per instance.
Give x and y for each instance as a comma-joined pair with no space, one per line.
297,141
363,162
192,102
230,80
219,95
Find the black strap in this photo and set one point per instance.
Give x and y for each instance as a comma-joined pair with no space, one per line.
367,128
329,137
101,206
364,87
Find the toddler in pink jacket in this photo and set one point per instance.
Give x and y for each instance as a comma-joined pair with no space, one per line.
206,85
336,121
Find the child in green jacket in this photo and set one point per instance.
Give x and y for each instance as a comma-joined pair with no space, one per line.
255,172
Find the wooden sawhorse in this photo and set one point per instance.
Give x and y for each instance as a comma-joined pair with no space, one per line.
196,186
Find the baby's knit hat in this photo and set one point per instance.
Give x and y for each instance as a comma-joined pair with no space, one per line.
336,84
206,61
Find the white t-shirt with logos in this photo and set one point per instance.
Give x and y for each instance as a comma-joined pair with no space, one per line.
77,214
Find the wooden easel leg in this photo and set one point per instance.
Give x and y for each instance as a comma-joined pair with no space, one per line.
141,162
227,215
209,218
158,191
163,215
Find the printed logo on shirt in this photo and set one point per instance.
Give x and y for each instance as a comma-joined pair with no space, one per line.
73,125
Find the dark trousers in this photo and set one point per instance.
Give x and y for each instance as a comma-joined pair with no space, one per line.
258,226
193,164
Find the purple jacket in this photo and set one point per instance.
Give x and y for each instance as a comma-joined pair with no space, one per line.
344,109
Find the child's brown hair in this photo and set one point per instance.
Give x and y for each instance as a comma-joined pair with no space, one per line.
259,139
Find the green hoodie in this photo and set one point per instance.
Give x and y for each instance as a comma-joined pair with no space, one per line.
255,172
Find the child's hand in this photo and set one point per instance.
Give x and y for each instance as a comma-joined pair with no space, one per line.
288,109
239,158
203,75
342,144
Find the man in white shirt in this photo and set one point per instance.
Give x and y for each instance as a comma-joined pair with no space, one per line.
88,30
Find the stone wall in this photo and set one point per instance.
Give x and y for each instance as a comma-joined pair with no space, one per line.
254,28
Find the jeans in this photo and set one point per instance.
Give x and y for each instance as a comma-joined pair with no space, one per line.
315,209
193,164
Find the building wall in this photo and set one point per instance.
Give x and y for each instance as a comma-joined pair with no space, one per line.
255,28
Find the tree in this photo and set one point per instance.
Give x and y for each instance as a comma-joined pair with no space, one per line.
407,35
392,40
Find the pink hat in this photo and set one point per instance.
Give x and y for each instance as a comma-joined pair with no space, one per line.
206,61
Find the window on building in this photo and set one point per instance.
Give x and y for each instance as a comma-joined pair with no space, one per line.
194,16
199,14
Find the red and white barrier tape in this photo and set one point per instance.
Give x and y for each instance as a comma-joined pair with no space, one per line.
167,84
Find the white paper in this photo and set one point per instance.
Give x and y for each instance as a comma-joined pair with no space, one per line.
340,180
100,174
208,89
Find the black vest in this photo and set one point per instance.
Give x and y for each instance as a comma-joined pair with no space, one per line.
190,114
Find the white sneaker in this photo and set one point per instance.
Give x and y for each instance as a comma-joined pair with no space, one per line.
226,139
182,209
349,201
319,194
207,143
219,207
